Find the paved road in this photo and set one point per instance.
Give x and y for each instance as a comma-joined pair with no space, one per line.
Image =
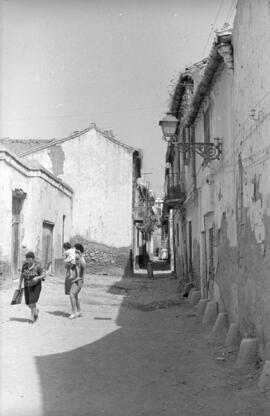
138,350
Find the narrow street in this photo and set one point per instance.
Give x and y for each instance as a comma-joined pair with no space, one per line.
138,350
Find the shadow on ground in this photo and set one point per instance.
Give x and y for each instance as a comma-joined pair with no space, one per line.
59,313
156,363
22,320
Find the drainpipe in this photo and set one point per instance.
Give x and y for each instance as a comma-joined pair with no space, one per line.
193,160
171,245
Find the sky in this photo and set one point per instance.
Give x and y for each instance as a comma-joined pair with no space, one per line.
68,63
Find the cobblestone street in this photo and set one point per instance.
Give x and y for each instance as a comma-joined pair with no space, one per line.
138,350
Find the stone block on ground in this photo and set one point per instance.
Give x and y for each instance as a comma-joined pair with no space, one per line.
221,324
210,314
201,307
187,288
233,337
192,290
195,297
247,353
264,381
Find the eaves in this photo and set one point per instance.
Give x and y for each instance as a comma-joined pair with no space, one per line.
215,58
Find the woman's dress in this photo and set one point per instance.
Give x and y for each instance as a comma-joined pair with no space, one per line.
31,293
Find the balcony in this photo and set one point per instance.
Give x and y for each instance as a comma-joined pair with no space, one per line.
139,213
174,196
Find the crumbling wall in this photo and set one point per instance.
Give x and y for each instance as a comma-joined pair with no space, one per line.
103,259
100,172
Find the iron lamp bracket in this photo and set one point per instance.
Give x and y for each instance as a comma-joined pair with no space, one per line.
209,151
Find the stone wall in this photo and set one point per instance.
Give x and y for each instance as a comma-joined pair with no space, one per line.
102,259
47,199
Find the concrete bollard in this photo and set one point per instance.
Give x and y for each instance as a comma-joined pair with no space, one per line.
221,325
264,381
247,353
150,272
201,308
195,297
187,289
191,293
233,337
210,314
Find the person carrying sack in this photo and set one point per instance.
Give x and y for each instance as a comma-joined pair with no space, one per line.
32,275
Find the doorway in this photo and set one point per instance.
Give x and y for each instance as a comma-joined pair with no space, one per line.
18,197
209,253
190,260
204,265
47,245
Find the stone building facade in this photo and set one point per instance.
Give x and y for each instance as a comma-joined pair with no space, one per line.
143,220
102,171
221,212
35,212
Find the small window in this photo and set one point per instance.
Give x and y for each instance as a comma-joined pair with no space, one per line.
206,124
186,139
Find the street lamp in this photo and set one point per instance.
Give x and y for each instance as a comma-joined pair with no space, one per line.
209,151
169,125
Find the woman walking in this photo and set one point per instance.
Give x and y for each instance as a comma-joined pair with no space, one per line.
32,275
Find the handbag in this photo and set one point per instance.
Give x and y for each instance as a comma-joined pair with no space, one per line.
17,297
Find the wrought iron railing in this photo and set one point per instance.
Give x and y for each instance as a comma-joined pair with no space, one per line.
174,196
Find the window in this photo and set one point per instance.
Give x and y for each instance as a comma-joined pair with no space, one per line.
190,246
186,139
206,125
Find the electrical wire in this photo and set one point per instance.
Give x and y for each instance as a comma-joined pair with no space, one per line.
212,27
126,110
243,126
231,10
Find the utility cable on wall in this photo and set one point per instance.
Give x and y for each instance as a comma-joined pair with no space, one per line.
231,10
212,27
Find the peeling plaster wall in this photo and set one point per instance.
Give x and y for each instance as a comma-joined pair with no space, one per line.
100,172
215,185
251,274
234,193
45,200
236,189
179,247
193,217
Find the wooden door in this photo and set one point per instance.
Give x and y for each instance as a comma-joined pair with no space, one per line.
209,252
204,264
190,260
15,236
47,243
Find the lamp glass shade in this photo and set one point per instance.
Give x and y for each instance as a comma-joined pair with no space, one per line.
216,141
169,125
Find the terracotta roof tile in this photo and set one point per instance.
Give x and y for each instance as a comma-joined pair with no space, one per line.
18,146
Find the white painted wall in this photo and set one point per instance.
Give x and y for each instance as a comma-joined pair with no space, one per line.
46,200
100,172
